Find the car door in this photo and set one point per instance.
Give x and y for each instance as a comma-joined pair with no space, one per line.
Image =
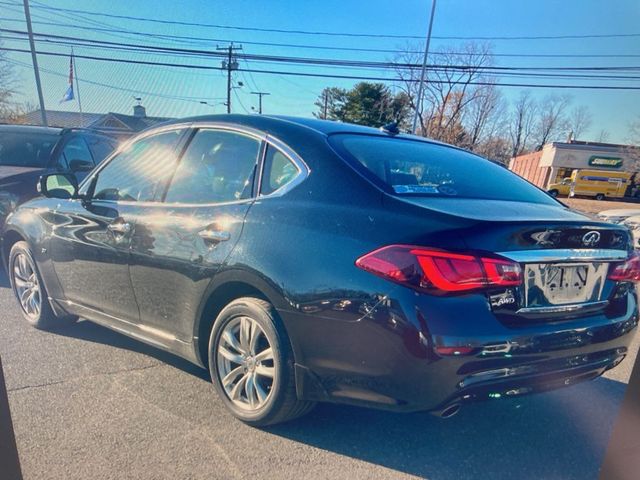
91,239
177,246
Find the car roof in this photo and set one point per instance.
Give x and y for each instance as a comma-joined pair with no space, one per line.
30,129
274,122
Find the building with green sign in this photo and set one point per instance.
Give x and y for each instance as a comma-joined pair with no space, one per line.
558,160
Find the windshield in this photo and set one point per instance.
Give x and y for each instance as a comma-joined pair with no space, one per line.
409,167
26,149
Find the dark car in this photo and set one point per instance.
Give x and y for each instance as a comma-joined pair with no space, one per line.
302,260
26,152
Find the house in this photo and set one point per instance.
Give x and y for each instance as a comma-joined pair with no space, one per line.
116,124
558,160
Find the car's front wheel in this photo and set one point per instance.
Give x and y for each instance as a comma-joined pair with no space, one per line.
29,290
251,364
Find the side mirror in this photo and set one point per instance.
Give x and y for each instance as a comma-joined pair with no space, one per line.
77,165
58,185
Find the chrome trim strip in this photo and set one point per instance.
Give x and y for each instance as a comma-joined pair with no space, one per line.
566,255
564,308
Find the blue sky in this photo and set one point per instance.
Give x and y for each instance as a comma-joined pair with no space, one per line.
611,110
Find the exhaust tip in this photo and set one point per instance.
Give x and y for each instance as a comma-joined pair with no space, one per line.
450,411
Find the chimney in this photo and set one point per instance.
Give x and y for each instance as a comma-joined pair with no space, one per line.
139,111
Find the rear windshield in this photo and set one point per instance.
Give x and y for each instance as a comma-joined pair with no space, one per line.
26,149
417,168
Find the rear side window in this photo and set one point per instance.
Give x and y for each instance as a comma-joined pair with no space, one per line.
418,168
278,171
218,166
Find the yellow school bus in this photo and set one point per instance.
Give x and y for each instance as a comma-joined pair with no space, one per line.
599,184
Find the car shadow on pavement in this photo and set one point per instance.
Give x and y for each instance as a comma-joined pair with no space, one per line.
562,434
92,332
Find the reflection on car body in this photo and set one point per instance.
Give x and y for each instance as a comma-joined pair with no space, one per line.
302,261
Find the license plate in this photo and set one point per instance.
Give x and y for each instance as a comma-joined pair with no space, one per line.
563,284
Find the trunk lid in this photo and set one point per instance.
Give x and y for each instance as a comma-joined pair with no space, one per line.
503,226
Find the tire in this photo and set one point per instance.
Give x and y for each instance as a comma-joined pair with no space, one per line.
26,282
600,196
553,193
249,393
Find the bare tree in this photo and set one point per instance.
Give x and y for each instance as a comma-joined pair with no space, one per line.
522,122
552,121
482,116
8,85
579,120
449,89
603,136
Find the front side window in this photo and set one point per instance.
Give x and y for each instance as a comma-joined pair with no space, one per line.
75,149
217,167
101,147
418,168
141,171
278,171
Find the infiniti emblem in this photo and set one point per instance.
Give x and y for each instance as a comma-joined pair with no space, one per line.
591,239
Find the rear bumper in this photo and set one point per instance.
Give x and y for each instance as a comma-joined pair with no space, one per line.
387,358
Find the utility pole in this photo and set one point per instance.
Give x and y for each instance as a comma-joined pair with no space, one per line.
229,65
260,95
326,104
424,69
32,44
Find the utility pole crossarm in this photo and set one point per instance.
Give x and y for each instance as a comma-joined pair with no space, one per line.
260,95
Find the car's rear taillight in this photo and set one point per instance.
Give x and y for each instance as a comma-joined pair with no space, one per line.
627,271
428,269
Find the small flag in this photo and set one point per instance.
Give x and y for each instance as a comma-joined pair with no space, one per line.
69,93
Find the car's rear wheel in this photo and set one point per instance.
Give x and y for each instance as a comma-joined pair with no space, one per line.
29,290
600,196
251,364
553,193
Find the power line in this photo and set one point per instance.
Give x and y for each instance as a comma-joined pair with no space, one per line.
325,61
324,75
341,34
206,40
182,98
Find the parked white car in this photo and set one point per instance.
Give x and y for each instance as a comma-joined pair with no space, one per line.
618,215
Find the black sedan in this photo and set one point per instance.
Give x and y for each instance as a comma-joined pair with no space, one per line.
301,261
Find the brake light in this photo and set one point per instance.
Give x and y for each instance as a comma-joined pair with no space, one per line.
626,271
427,269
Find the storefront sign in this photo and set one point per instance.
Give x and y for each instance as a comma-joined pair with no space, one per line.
607,162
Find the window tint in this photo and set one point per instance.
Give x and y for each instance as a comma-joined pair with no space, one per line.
217,167
141,171
101,147
278,171
75,149
409,167
26,149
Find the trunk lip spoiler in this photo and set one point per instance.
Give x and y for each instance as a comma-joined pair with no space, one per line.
566,255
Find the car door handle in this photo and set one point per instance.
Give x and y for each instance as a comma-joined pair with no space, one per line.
119,227
214,236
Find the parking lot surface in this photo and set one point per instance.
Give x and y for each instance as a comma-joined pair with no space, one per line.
90,403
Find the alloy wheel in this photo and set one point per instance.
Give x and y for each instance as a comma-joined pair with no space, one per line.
245,363
26,284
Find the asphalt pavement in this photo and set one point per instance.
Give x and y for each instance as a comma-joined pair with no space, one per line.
88,403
